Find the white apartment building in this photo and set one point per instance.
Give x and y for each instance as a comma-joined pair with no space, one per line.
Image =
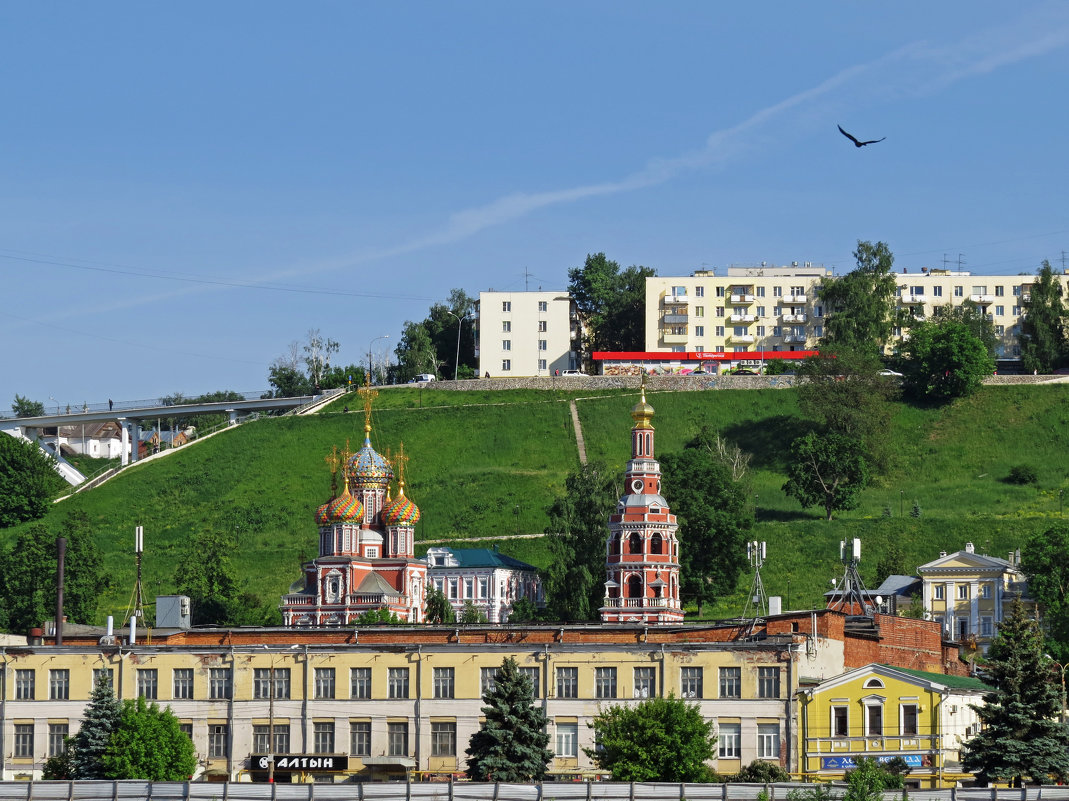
524,334
779,308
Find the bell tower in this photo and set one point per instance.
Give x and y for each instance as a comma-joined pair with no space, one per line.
642,553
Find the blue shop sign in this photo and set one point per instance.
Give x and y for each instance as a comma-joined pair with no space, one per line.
848,763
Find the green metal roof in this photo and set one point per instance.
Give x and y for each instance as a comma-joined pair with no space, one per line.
484,557
954,682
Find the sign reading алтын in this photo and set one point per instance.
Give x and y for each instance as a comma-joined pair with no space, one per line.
300,763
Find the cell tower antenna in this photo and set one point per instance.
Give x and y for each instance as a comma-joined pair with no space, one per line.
136,607
756,601
851,593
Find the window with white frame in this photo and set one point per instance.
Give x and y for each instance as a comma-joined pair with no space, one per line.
699,292
699,330
645,682
218,740
23,741
874,720
986,627
147,684
543,344
963,628
397,682
729,740
541,326
324,685
443,738
910,718
506,344
59,684
543,306
605,682
985,590
220,683
730,682
840,720
542,365
532,675
487,680
57,738
506,365
182,683
768,741
940,592
963,592
720,330
567,682
323,737
469,587
443,682
506,305
454,588
567,739
506,326
768,682
690,682
360,737
24,684
397,738
360,682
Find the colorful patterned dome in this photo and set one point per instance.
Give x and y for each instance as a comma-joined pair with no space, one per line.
367,469
401,511
323,514
345,508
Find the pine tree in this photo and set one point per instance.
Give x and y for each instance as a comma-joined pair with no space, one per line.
1022,736
103,715
510,745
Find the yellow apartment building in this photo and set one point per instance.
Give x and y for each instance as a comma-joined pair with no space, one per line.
770,308
882,712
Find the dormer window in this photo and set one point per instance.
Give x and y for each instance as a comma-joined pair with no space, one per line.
874,682
655,510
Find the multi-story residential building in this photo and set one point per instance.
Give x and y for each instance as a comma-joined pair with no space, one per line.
969,594
376,701
524,334
883,712
779,308
490,580
749,309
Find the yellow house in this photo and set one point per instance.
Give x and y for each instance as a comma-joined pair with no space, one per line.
883,712
970,593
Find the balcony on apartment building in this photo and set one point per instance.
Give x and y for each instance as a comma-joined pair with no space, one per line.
742,318
668,338
741,338
741,297
675,317
794,338
793,318
676,300
983,300
911,300
794,299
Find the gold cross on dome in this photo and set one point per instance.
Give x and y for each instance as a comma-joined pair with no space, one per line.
333,460
401,460
368,394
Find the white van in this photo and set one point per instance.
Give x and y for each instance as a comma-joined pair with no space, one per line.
421,378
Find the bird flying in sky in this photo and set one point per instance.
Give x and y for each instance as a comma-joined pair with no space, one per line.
856,142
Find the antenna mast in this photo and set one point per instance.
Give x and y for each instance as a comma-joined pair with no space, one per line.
756,601
851,590
137,602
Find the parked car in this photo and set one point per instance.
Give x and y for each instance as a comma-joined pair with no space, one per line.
744,371
890,373
422,378
571,373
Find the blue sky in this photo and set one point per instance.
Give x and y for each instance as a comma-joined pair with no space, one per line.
187,188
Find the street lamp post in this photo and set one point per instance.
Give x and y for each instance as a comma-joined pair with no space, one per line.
370,347
460,326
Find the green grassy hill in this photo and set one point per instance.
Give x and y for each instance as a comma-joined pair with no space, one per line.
487,464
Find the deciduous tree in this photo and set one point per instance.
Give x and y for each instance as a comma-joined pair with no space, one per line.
318,351
1045,562
827,470
510,745
149,744
438,608
860,306
611,303
205,573
657,740
578,529
27,481
715,511
1044,338
945,360
1021,737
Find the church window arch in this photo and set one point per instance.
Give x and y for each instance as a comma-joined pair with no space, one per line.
634,586
634,543
655,543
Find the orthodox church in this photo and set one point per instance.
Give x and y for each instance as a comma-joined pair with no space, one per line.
366,542
642,553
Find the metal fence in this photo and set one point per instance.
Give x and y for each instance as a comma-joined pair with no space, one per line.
469,791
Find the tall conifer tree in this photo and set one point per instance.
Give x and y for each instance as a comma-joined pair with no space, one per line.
510,745
1023,737
103,714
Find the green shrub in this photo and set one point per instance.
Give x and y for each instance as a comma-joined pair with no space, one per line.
1022,474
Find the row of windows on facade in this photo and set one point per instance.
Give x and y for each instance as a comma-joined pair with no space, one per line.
915,290
543,344
451,588
797,292
748,316
274,683
443,739
797,331
506,327
506,306
543,364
